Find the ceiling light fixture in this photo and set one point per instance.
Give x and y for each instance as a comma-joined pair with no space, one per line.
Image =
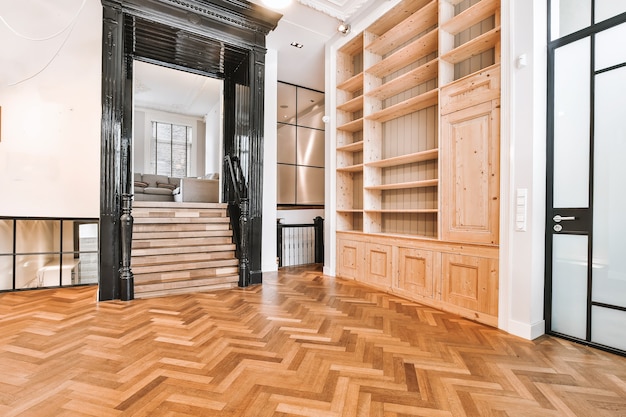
277,4
297,45
343,28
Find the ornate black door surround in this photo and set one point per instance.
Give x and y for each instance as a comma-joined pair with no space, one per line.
218,38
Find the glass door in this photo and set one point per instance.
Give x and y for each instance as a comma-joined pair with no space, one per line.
585,233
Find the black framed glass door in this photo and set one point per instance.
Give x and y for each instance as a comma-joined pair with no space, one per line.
585,233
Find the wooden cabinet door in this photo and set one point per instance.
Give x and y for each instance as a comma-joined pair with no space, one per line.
469,156
378,265
417,271
350,259
470,282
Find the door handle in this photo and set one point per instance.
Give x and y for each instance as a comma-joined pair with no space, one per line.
558,218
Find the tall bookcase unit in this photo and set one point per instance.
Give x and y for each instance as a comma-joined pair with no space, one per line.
417,167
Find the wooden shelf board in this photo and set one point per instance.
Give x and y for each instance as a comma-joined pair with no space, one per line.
351,168
409,106
353,47
353,126
403,211
395,15
404,185
352,84
349,210
471,16
419,75
474,47
406,55
352,147
429,155
418,22
352,106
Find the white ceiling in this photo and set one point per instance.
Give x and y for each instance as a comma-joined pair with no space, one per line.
310,23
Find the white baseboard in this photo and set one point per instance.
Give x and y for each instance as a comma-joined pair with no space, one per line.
525,330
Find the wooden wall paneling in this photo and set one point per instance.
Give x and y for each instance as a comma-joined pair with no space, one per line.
351,258
470,202
470,282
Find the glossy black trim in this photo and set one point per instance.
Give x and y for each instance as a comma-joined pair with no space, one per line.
128,33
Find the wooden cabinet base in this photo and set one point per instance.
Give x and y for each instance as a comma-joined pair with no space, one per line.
456,278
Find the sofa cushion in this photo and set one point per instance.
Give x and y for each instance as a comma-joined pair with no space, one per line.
140,184
153,179
156,190
174,181
166,185
137,176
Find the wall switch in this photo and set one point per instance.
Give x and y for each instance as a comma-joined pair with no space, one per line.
521,203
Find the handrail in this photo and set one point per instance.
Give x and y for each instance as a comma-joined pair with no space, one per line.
238,213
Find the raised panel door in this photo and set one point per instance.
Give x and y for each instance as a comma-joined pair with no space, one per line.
378,265
470,183
470,282
349,258
416,271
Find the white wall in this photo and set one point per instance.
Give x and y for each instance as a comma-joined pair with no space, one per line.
50,98
213,122
522,252
268,254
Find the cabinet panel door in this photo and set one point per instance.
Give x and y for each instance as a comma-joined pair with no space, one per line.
378,265
349,259
416,271
470,282
470,173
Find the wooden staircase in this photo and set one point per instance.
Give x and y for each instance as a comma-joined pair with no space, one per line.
182,248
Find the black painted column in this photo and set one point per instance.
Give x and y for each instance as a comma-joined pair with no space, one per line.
255,168
110,181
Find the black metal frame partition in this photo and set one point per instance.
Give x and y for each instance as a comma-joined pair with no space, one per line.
584,214
218,38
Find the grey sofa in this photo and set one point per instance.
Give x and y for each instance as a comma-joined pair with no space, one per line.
151,187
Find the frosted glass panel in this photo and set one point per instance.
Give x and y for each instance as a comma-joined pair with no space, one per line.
6,272
568,16
569,285
608,327
571,125
608,8
609,49
6,236
609,238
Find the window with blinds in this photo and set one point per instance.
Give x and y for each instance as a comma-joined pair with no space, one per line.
170,149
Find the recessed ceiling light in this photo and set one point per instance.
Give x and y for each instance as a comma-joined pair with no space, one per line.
277,4
296,44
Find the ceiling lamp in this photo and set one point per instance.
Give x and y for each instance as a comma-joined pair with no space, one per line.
343,28
277,4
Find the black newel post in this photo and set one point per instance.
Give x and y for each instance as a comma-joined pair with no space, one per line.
319,239
127,290
244,261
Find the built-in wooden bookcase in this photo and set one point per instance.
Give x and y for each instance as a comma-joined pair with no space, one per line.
412,188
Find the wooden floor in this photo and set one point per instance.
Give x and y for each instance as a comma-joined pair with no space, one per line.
302,344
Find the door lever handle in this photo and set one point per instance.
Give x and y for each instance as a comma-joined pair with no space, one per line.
558,218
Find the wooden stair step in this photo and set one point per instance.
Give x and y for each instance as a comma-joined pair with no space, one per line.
185,275
168,204
180,265
190,241
179,235
187,227
159,213
183,287
225,250
175,220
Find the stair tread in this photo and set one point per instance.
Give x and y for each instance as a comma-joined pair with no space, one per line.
185,274
176,283
168,204
184,266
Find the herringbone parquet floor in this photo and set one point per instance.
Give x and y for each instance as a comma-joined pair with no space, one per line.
302,344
